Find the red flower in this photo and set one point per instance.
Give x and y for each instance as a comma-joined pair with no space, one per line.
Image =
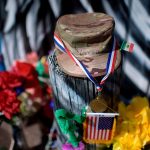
9,80
28,72
49,90
9,104
48,112
32,58
35,92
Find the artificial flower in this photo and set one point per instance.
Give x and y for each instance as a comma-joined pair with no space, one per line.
42,67
35,92
32,58
29,106
9,104
27,72
127,141
9,80
68,146
45,63
133,125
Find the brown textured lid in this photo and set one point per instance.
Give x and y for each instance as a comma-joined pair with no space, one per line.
89,38
86,34
96,65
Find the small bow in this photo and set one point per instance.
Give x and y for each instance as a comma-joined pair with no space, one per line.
66,123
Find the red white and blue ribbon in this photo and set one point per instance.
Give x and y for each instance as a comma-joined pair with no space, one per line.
109,67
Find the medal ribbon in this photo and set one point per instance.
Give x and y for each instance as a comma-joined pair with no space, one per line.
109,67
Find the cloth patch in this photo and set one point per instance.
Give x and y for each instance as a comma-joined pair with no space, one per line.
126,46
99,129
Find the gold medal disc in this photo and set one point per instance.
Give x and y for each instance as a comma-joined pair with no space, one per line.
98,104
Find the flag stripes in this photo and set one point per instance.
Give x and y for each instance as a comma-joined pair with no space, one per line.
98,128
127,46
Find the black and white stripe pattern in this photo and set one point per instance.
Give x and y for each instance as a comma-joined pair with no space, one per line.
28,25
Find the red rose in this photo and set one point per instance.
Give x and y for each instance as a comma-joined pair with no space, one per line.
9,104
28,72
9,80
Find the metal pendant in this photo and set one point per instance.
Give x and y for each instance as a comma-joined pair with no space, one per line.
98,104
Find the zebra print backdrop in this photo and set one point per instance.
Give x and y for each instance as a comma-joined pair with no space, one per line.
28,25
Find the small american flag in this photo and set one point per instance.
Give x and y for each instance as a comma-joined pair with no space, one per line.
99,128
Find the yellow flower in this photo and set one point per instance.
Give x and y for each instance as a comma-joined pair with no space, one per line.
144,135
144,116
133,125
136,106
127,141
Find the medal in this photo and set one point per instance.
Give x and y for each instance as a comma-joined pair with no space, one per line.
98,104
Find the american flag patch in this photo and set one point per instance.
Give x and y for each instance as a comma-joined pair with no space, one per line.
99,128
